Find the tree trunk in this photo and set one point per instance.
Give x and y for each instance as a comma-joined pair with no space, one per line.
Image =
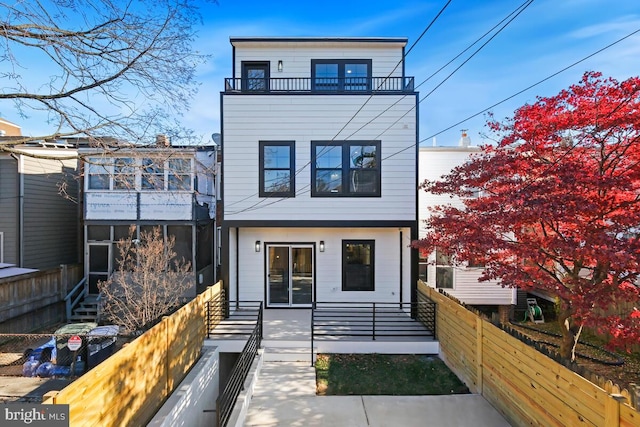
568,336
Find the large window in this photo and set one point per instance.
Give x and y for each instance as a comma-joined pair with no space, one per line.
345,169
358,265
148,173
340,75
277,169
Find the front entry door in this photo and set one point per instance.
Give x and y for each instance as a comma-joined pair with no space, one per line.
289,275
99,265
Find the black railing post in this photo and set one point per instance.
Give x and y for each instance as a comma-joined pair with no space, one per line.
374,321
313,309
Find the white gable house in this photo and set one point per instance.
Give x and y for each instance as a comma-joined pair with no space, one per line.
319,169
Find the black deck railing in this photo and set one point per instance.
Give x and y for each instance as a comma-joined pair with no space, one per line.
374,320
350,85
226,400
233,319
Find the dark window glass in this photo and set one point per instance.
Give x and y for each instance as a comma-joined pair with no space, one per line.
255,76
339,75
183,244
277,169
98,232
345,169
152,174
358,265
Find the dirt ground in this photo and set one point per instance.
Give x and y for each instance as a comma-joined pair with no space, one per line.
606,364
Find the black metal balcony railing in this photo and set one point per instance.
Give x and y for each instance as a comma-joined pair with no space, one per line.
350,85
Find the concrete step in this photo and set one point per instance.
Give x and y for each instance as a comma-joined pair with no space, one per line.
82,318
289,354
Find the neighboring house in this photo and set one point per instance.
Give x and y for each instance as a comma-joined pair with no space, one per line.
319,171
145,187
39,214
459,281
9,129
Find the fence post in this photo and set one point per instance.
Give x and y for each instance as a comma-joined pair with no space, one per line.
64,278
479,352
612,410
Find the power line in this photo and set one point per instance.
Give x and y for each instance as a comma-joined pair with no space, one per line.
518,10
517,93
405,54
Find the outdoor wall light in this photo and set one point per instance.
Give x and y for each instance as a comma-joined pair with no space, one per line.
257,245
280,65
321,245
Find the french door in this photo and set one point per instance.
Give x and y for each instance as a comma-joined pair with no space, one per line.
290,278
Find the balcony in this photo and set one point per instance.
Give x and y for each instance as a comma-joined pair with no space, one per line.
332,85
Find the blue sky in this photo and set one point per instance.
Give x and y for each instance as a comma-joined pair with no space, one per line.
548,36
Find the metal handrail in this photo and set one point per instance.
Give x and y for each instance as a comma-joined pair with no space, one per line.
346,85
372,320
226,400
83,289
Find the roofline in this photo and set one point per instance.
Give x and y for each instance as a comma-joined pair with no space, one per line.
403,40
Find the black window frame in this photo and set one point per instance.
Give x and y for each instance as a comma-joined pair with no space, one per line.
372,266
248,65
291,169
345,169
342,84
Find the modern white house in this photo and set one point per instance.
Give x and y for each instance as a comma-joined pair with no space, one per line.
138,188
319,171
459,281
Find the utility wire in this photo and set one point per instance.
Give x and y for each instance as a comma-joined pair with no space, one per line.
405,54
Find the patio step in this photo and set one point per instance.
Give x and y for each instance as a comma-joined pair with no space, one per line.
287,354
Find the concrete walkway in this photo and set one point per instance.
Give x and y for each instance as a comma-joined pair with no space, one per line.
284,395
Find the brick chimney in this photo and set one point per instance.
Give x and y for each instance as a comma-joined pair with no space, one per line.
162,140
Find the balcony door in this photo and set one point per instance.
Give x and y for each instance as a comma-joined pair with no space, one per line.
290,278
255,76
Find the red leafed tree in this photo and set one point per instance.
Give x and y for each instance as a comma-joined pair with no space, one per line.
559,207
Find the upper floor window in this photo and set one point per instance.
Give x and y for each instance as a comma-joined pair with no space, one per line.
350,168
255,76
128,173
340,75
124,173
152,174
277,169
179,174
98,171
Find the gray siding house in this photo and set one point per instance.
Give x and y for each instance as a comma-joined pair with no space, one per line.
39,216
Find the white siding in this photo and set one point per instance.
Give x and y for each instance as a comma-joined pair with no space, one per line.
296,57
247,119
328,268
434,162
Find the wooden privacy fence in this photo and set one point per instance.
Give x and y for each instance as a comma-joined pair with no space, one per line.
29,292
130,386
526,386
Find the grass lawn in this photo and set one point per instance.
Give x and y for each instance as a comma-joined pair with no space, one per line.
385,374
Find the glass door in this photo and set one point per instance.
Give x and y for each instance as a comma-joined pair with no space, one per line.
289,275
99,264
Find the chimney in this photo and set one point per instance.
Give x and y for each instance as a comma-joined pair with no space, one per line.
465,141
162,140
